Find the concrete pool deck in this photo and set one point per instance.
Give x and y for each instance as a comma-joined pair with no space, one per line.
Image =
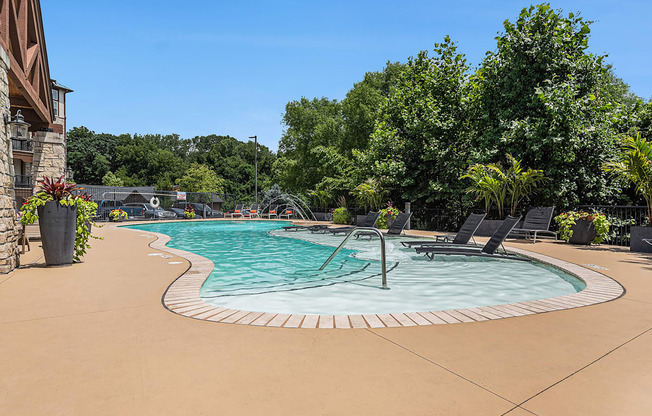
95,339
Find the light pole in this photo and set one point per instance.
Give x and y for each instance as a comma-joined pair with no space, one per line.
255,166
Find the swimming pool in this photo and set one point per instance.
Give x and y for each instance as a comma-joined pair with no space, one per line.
260,267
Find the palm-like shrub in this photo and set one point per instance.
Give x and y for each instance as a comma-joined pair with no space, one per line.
634,164
519,183
487,185
492,184
370,194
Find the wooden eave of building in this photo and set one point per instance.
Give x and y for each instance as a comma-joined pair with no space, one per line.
22,37
25,156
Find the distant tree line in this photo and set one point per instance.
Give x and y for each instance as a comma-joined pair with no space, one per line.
416,127
203,163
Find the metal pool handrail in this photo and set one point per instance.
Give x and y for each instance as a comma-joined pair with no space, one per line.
382,250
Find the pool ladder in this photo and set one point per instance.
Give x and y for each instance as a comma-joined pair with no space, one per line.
382,251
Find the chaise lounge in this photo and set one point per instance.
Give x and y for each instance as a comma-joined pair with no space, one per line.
394,230
463,236
369,221
488,250
536,222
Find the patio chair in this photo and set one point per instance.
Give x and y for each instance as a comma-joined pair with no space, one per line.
272,211
236,212
287,213
369,221
394,230
537,221
488,250
463,236
254,211
311,228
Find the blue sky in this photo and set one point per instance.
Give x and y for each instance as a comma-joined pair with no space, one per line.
208,66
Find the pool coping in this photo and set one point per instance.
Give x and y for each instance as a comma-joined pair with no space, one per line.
183,297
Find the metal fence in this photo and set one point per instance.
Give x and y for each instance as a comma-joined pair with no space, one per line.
109,198
622,218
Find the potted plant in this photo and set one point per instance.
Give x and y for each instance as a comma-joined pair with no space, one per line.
341,216
189,213
633,164
117,215
580,227
63,218
387,216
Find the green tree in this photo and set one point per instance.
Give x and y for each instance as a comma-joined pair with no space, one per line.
110,179
201,178
543,98
420,145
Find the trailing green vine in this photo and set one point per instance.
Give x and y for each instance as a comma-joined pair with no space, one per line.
62,192
567,220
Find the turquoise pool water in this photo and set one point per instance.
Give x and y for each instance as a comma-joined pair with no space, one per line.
260,267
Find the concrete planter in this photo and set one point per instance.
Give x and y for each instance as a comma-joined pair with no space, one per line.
58,226
583,232
636,242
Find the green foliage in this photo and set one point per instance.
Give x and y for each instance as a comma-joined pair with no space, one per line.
634,164
492,184
117,214
369,194
391,212
201,178
321,197
110,179
543,98
419,146
341,216
189,213
161,160
520,183
568,219
487,185
61,192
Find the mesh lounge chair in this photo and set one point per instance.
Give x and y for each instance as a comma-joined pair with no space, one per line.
394,230
311,228
488,250
287,213
463,236
369,221
272,211
254,211
237,211
537,221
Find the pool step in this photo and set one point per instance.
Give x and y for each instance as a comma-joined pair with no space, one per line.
345,272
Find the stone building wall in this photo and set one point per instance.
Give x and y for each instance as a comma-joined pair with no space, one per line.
49,155
8,231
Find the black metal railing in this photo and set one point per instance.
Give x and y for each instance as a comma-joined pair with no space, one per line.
23,145
23,181
622,218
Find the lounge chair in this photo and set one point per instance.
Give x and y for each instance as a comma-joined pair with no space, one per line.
488,250
287,213
311,228
394,230
237,211
254,211
369,221
537,221
272,211
463,236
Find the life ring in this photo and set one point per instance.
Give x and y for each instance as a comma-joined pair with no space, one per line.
155,202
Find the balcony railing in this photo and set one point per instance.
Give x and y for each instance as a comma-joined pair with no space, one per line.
23,145
23,181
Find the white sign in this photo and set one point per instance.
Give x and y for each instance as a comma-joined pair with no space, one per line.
181,196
